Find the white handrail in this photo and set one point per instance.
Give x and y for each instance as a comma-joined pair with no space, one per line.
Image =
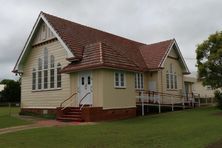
70,98
83,99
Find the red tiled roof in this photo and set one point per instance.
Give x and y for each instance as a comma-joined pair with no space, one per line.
103,56
95,48
154,54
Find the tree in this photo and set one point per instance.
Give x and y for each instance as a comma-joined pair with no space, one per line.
12,91
209,60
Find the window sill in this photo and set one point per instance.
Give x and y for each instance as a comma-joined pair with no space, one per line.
41,90
120,87
172,89
139,89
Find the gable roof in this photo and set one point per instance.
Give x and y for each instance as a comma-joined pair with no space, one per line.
92,48
154,54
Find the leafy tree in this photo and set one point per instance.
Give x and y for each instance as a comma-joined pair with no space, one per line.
12,91
209,60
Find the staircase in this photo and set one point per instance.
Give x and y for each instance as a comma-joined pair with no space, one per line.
71,114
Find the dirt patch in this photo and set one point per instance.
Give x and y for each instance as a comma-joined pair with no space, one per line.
217,144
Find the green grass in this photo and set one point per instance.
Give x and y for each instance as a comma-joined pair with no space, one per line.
191,128
7,119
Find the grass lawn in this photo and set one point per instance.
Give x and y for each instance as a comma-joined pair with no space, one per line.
7,120
183,129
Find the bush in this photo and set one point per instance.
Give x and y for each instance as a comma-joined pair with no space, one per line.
218,97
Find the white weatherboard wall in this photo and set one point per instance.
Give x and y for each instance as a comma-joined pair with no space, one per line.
43,99
1,87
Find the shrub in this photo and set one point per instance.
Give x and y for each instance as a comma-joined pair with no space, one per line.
218,97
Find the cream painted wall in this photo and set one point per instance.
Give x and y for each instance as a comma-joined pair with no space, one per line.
204,91
160,77
180,83
118,97
98,87
44,98
104,93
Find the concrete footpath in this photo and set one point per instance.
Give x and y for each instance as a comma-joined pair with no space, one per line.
39,123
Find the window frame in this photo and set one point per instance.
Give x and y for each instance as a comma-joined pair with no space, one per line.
171,79
118,75
34,78
46,77
139,81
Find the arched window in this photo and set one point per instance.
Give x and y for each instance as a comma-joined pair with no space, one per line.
171,78
59,77
52,71
39,73
34,79
168,80
45,68
47,75
39,64
175,80
52,61
45,58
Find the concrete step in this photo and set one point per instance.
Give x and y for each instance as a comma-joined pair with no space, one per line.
71,116
66,119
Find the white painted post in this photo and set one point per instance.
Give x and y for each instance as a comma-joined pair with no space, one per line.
142,99
183,102
9,108
172,103
159,108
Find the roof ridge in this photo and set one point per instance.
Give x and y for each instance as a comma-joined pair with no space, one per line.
131,40
158,42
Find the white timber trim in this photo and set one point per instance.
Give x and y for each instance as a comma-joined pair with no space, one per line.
180,55
27,44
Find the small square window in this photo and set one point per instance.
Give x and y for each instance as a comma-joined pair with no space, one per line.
119,79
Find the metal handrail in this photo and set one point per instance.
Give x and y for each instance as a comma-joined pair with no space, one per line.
152,94
67,100
83,99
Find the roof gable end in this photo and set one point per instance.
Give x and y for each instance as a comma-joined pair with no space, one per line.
27,47
181,59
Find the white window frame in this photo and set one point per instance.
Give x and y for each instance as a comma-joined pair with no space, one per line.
119,85
139,81
172,78
45,71
34,79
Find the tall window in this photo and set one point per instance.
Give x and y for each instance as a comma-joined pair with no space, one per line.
52,71
59,77
168,80
119,78
34,79
45,68
139,81
47,76
175,80
171,78
45,58
39,73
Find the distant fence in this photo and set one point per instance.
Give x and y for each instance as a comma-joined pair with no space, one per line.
13,104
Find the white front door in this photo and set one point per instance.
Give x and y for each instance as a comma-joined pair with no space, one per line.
85,87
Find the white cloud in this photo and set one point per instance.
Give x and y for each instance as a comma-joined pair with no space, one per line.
147,21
